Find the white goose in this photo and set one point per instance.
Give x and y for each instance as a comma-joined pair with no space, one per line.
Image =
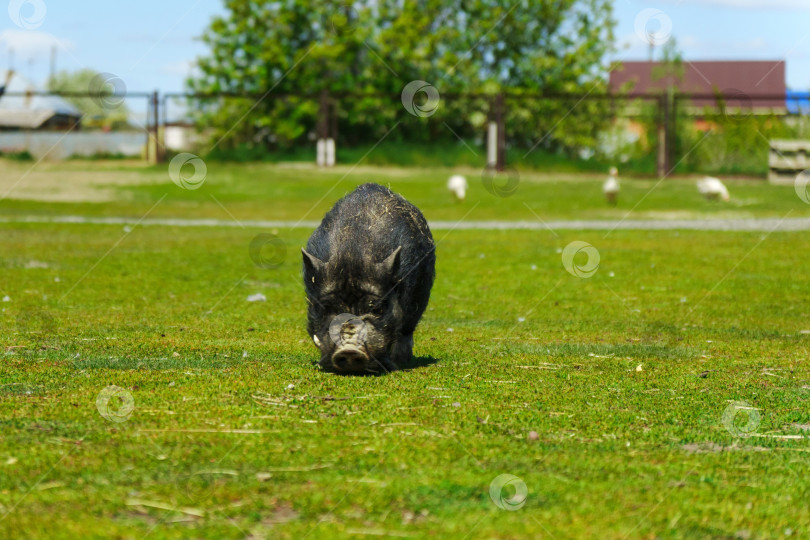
611,187
712,188
457,185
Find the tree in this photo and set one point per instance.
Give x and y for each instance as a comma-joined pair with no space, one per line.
670,67
104,109
377,47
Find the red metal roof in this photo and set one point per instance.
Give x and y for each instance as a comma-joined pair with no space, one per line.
759,83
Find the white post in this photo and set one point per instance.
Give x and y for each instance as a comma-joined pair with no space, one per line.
492,144
320,152
330,152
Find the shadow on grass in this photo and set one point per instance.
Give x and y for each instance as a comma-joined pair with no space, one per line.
416,362
419,362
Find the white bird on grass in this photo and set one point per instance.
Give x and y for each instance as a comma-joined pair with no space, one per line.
611,187
712,188
457,185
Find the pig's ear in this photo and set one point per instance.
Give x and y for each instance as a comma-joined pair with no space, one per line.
390,265
311,262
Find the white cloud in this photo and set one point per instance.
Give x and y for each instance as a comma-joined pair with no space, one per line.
182,67
28,44
631,45
761,4
152,39
690,42
750,4
694,45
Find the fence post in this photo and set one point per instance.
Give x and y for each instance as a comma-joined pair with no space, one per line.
158,155
500,118
164,121
325,147
662,135
492,144
333,128
673,134
148,129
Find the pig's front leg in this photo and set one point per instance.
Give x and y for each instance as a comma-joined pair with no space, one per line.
382,365
402,351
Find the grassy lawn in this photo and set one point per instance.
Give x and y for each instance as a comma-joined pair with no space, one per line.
299,191
665,396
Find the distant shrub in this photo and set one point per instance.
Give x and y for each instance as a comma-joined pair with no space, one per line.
25,155
104,156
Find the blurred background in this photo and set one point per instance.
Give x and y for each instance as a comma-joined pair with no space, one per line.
654,88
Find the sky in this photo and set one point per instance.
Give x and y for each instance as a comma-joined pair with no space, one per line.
721,30
152,44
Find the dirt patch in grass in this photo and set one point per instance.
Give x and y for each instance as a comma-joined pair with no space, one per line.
69,182
714,448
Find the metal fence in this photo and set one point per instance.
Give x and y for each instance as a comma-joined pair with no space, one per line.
492,137
165,123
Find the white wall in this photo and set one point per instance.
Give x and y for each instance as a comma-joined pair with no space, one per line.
58,145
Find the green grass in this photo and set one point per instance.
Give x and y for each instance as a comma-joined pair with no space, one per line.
303,191
747,157
624,377
439,154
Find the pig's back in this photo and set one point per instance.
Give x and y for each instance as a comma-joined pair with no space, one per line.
365,227
373,221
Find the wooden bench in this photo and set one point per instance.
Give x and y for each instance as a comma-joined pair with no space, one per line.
786,159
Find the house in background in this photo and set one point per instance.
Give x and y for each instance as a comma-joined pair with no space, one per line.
750,87
23,110
758,86
181,135
46,126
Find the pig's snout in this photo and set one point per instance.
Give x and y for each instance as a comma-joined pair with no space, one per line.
350,359
349,334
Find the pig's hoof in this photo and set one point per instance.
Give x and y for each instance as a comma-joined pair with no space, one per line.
383,365
402,351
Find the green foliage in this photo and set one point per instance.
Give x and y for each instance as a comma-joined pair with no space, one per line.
25,155
670,67
98,111
102,156
714,140
412,154
735,143
306,46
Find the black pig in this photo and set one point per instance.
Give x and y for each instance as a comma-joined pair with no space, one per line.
368,271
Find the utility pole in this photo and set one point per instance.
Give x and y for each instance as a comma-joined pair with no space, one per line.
53,63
